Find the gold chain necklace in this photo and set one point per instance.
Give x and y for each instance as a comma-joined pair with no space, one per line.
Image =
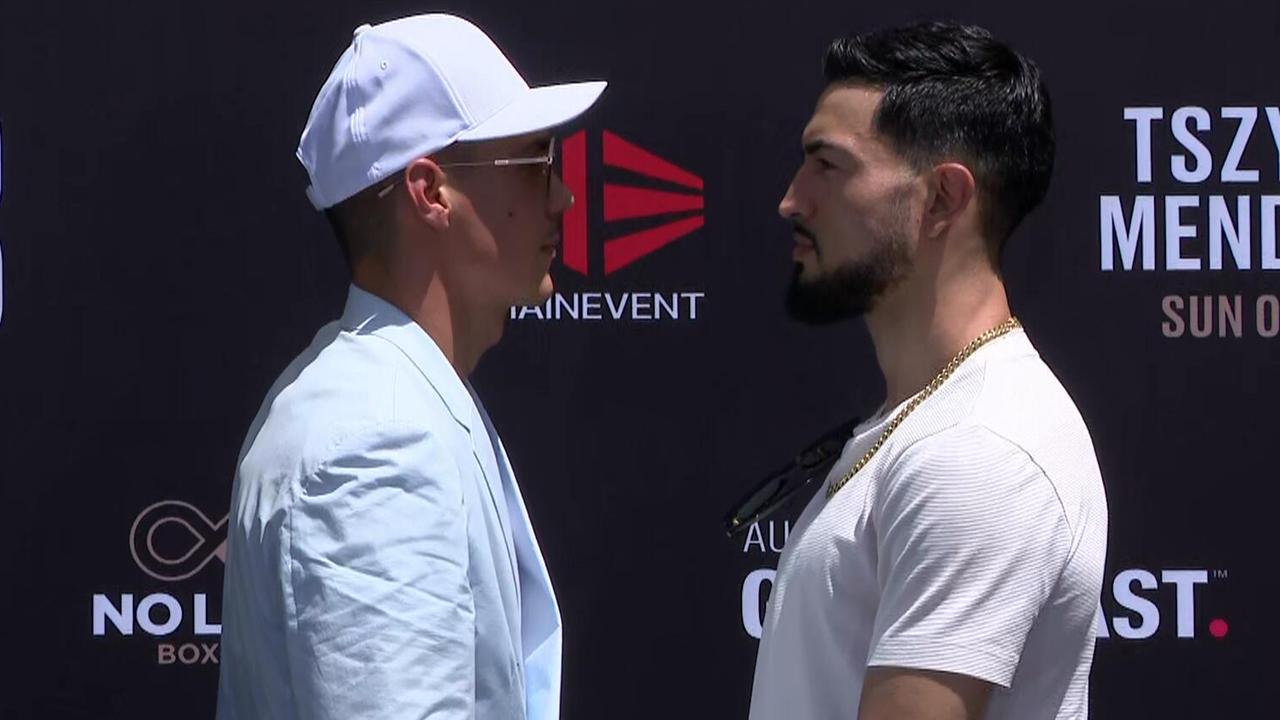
995,332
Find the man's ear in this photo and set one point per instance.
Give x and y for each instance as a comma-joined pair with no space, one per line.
951,194
424,181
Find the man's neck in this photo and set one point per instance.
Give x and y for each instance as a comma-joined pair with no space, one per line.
917,331
462,333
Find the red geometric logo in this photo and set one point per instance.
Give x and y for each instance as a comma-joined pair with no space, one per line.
626,202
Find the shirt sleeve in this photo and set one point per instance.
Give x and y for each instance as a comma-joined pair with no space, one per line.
382,619
971,539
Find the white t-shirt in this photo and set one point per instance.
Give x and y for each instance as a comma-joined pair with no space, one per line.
972,543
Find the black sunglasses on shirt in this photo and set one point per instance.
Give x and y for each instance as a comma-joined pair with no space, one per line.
775,490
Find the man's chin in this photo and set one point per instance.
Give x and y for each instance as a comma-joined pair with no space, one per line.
546,288
807,272
817,298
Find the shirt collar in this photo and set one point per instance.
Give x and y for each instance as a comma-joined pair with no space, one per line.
368,314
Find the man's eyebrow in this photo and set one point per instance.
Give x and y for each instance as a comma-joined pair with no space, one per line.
813,146
819,144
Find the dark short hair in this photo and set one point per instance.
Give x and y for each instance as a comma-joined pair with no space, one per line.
954,90
334,216
359,224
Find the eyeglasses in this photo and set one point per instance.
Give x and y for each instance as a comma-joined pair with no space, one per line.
814,462
546,161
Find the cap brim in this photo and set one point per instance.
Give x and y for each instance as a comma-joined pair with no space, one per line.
540,109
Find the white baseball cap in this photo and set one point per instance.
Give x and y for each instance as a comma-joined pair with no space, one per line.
407,88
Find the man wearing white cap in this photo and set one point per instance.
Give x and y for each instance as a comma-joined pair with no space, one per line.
381,563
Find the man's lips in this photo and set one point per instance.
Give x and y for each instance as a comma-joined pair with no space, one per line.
803,238
552,243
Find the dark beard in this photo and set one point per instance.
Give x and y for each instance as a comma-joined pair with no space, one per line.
850,290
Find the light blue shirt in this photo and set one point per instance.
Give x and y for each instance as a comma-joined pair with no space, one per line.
380,559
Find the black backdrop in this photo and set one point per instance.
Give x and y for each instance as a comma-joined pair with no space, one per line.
162,266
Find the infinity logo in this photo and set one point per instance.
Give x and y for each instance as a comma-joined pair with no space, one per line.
208,540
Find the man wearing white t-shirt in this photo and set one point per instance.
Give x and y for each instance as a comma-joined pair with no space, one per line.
951,564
